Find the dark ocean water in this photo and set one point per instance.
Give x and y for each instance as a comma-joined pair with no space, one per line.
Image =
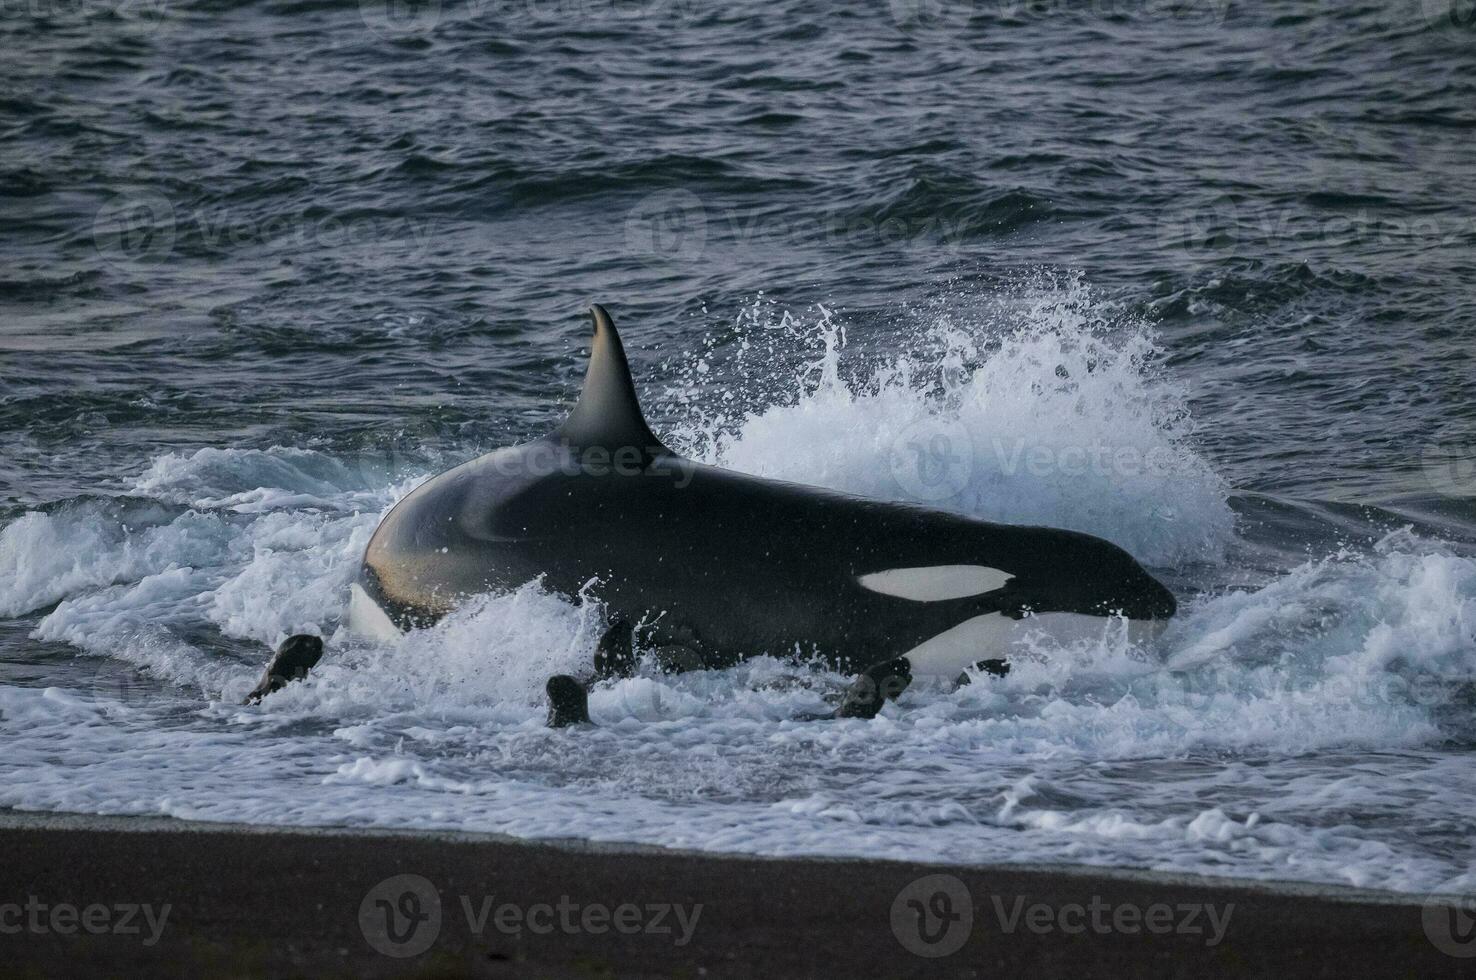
265,262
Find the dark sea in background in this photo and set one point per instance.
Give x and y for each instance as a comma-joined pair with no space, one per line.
265,265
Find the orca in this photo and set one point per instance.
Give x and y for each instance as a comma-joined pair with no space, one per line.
725,566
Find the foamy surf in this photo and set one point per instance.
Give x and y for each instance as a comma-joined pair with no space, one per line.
1032,408
1260,740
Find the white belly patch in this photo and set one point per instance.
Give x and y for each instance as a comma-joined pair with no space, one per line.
367,620
992,636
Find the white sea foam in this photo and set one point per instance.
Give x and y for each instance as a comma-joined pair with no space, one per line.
1295,730
1035,412
45,557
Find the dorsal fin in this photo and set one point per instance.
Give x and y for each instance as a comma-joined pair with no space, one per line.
608,414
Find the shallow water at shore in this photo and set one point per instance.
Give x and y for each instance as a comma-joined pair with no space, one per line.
1194,281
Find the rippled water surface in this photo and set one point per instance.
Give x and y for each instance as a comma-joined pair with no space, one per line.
1193,277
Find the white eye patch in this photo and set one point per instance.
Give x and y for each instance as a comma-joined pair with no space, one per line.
935,583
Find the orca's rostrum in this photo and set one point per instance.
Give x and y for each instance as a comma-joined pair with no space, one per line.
726,566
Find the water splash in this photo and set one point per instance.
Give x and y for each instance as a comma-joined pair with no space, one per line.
1034,407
